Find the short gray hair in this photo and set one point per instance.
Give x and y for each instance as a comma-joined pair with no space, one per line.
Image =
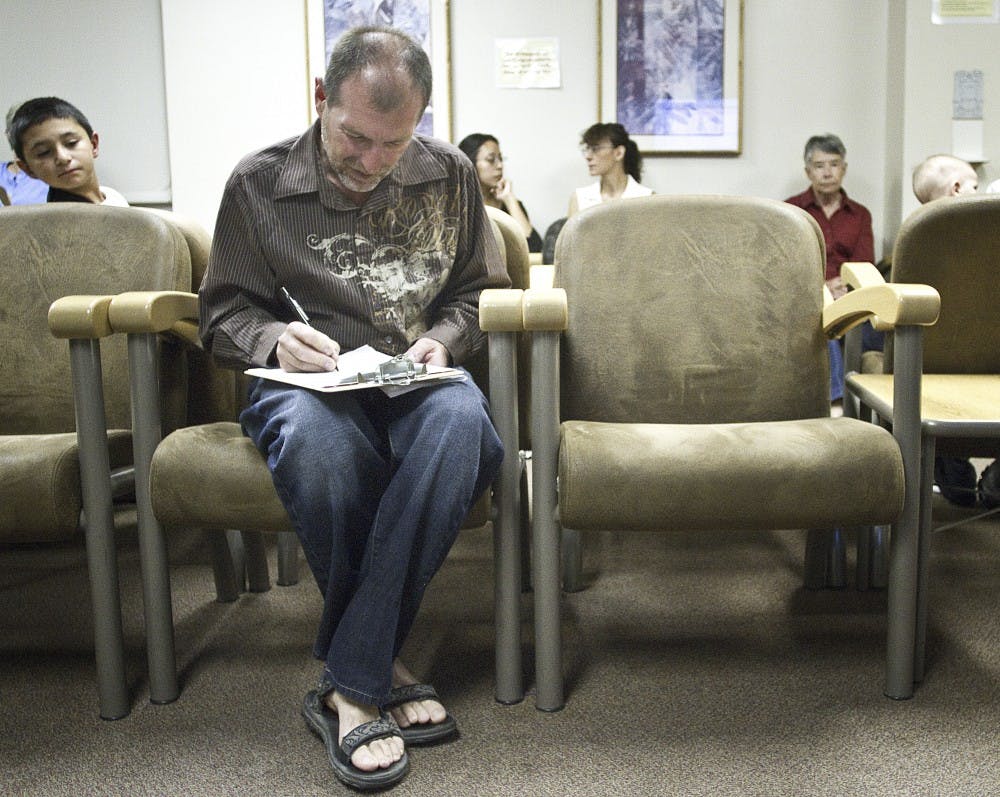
828,143
387,52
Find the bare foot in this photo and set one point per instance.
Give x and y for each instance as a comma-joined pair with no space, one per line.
378,754
416,712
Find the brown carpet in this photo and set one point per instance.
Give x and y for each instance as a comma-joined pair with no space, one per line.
696,665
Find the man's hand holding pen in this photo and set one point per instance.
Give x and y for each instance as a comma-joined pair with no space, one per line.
303,348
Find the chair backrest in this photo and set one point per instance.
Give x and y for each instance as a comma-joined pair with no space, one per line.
49,251
515,247
693,309
204,391
953,244
549,242
198,239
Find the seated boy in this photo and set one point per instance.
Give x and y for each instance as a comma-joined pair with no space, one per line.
55,143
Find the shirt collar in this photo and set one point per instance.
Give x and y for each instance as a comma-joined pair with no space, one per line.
845,202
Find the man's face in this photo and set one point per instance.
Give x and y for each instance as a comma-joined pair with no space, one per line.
825,171
59,152
362,145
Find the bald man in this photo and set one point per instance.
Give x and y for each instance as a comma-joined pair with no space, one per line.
943,175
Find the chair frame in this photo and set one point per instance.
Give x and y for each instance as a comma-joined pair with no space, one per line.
906,401
83,321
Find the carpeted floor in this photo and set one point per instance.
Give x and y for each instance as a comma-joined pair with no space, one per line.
696,665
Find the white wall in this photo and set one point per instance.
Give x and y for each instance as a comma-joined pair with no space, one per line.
879,74
237,80
791,91
538,129
933,54
105,57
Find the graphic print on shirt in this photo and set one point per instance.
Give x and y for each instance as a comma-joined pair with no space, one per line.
404,265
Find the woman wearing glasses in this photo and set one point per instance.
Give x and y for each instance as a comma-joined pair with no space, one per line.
484,151
614,158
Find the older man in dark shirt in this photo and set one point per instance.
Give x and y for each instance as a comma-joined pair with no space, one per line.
382,238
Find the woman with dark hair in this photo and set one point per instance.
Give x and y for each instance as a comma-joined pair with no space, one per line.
614,158
484,152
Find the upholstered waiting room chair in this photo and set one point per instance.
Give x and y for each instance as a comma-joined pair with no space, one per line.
952,244
210,476
680,382
60,467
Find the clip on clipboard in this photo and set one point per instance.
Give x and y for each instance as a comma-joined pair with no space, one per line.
400,370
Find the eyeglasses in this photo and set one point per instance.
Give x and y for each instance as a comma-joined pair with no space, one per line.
492,160
586,149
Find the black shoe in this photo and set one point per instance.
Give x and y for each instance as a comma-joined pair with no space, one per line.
957,479
989,486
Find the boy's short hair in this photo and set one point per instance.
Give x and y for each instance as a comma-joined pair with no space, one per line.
41,109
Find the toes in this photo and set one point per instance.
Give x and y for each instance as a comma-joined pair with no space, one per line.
364,759
435,711
378,754
419,713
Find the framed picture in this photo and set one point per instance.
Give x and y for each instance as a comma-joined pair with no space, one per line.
670,72
427,21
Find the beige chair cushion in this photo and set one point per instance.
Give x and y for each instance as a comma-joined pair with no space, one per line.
728,476
41,484
212,477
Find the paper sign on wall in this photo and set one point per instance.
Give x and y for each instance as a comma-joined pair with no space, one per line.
945,12
527,63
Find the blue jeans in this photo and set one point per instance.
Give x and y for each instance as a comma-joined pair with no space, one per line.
377,489
836,370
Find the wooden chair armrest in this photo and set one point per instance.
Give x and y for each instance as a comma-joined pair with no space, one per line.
500,310
888,305
545,309
156,311
80,317
860,275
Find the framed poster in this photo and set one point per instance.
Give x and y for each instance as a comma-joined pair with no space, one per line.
670,72
427,21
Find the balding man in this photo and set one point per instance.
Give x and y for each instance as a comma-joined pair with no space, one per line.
943,175
382,237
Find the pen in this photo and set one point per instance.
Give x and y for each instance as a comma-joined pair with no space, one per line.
295,306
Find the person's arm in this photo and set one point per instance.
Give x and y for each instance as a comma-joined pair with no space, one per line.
240,309
478,264
864,250
504,191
